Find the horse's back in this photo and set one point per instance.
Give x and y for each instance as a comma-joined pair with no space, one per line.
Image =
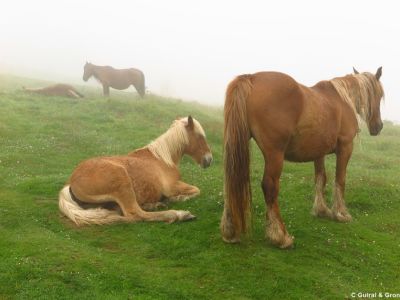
274,107
275,93
287,116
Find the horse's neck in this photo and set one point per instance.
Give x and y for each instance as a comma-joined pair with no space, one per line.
167,149
97,73
348,90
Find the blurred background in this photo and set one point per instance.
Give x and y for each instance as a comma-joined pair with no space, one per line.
192,49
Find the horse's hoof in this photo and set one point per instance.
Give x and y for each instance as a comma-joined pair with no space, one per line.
287,242
279,238
161,205
323,213
343,217
234,240
184,215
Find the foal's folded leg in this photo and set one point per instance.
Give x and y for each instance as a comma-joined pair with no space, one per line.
153,206
181,191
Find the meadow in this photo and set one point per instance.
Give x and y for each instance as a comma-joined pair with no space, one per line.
44,256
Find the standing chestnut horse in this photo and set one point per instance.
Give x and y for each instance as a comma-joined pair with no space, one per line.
115,78
291,121
138,181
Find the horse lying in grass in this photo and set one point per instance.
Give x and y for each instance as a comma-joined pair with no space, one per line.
138,181
297,123
59,89
119,79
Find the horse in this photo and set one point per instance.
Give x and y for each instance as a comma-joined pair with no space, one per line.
290,121
104,190
119,79
59,89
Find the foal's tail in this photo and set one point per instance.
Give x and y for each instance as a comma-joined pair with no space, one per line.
81,216
237,154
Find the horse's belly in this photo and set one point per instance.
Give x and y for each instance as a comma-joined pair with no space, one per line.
309,146
120,86
120,83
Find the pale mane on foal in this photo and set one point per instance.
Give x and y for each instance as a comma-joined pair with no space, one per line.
358,90
173,141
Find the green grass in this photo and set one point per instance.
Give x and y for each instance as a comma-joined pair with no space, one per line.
42,255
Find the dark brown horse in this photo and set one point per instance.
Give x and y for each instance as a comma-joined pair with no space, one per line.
119,79
297,123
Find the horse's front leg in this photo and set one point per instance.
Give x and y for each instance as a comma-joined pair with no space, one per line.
276,230
72,94
339,210
106,90
181,191
153,206
319,208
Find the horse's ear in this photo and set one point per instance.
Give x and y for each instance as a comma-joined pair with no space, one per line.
355,71
190,123
378,73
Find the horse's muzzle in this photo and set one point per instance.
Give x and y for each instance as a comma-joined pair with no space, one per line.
206,160
374,131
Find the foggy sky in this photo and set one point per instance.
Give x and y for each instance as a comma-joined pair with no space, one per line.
192,49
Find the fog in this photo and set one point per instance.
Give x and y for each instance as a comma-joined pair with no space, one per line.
192,49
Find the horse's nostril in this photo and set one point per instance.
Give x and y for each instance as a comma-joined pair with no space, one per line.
206,161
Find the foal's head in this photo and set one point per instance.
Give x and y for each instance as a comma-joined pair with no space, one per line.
197,146
87,71
372,89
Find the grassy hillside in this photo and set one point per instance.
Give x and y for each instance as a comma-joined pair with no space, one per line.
43,255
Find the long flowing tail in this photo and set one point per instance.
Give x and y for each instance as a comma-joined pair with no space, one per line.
81,216
237,157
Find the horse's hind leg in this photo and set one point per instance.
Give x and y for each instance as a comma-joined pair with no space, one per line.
114,184
276,230
339,210
126,199
106,90
319,208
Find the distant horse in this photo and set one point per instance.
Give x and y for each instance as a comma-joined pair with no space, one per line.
297,123
119,79
64,90
138,181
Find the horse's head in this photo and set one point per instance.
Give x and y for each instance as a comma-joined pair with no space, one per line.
87,71
375,94
197,146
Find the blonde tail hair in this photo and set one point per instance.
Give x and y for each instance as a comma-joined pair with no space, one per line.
81,216
237,157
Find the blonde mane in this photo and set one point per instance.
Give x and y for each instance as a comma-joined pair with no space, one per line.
358,90
173,142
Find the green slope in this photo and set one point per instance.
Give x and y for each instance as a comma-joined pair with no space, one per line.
42,255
